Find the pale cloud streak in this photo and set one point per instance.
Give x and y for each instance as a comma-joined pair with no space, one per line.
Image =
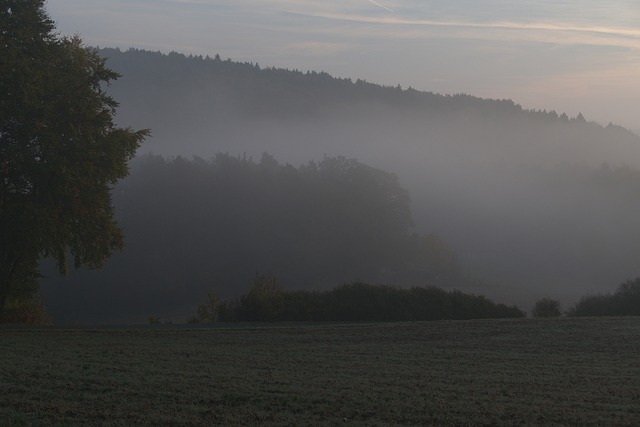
552,32
381,5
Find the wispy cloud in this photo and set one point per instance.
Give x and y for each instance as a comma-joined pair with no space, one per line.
563,33
547,53
381,5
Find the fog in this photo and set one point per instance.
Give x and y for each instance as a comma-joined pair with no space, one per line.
520,210
532,203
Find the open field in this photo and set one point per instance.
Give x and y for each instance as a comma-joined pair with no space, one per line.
492,372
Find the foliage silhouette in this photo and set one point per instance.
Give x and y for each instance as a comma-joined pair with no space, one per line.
196,224
471,165
625,301
60,151
546,307
360,302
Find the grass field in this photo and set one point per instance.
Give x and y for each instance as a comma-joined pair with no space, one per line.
489,372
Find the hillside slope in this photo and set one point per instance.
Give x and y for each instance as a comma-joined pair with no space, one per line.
533,202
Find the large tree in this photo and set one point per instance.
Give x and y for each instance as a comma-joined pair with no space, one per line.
60,150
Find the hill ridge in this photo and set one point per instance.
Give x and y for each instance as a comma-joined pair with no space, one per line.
345,88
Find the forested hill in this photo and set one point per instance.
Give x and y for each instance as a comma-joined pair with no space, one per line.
228,87
516,193
272,91
533,203
196,226
197,105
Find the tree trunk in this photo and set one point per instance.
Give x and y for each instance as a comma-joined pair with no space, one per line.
5,280
8,268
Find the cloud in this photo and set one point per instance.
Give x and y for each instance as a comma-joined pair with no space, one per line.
533,50
381,5
551,32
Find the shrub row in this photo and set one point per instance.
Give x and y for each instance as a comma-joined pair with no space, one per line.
625,301
267,302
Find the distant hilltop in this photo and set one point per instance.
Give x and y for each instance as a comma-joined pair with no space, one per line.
274,91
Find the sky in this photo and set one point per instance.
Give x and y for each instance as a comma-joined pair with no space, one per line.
573,56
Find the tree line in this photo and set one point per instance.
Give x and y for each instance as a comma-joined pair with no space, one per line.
266,301
197,224
274,91
492,179
625,301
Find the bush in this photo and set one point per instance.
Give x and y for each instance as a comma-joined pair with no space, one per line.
154,320
267,302
593,305
546,307
264,302
208,313
627,298
624,302
25,310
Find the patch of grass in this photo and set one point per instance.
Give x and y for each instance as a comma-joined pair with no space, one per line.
498,372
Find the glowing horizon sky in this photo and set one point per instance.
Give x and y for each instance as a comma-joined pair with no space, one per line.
569,56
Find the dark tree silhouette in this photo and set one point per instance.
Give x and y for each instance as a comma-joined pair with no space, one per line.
624,302
546,307
359,302
60,152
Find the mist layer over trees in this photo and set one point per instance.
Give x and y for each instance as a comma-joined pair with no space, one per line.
533,203
198,225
